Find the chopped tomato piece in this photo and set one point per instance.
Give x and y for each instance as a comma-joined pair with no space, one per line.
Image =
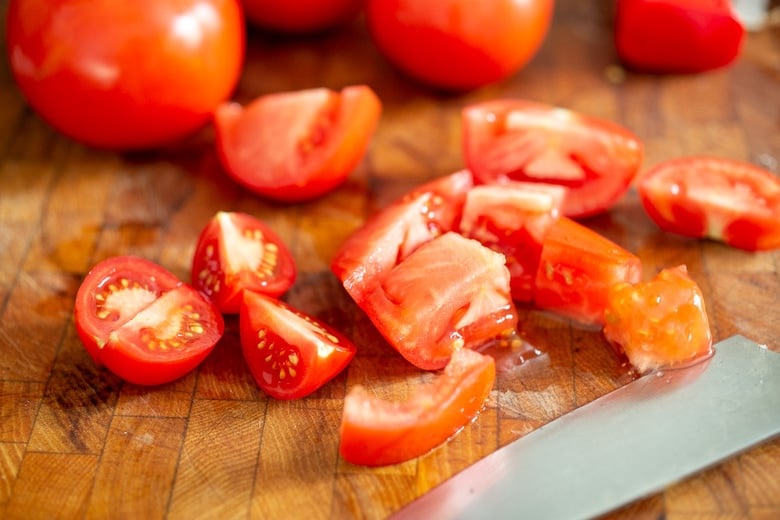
515,139
731,201
142,323
290,353
660,323
577,269
237,252
295,146
376,432
449,293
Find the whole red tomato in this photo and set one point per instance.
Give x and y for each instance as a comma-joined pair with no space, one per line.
125,75
300,16
459,44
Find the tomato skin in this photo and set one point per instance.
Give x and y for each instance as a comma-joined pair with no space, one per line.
300,16
143,324
296,146
289,353
649,35
237,252
734,202
375,432
125,75
659,323
521,140
459,44
577,268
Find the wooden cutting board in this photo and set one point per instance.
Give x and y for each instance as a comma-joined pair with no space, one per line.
76,442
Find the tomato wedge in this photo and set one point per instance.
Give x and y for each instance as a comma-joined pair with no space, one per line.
295,146
577,269
238,252
376,432
289,353
660,323
521,140
450,292
721,199
513,218
142,323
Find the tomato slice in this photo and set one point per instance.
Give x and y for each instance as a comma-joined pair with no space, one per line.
513,218
706,197
295,146
376,432
237,252
450,292
515,139
649,34
660,323
142,323
289,353
397,230
577,268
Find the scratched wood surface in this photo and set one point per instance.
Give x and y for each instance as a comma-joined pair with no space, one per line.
76,442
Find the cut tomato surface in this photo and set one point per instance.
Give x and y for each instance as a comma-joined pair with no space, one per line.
295,146
705,197
513,218
450,292
376,432
142,323
237,252
659,323
577,269
521,140
290,353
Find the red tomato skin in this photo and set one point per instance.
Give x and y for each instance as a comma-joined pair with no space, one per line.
374,432
459,45
117,341
577,268
649,35
731,201
521,140
125,75
300,16
272,270
297,146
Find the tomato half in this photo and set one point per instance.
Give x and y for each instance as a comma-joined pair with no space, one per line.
513,218
521,140
290,353
295,146
125,75
677,36
459,44
300,16
237,252
450,292
142,323
395,231
376,432
732,201
660,323
577,269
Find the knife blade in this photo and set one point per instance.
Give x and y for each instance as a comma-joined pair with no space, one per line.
628,444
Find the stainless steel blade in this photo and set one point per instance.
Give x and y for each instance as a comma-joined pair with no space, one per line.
625,445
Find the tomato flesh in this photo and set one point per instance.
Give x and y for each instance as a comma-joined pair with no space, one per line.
290,353
142,323
660,323
296,146
521,140
721,199
376,432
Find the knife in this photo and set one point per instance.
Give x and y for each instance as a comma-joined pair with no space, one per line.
628,444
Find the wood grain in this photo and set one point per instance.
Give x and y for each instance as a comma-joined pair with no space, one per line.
77,442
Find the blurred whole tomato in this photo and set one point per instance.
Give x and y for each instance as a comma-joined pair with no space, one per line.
300,16
125,75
